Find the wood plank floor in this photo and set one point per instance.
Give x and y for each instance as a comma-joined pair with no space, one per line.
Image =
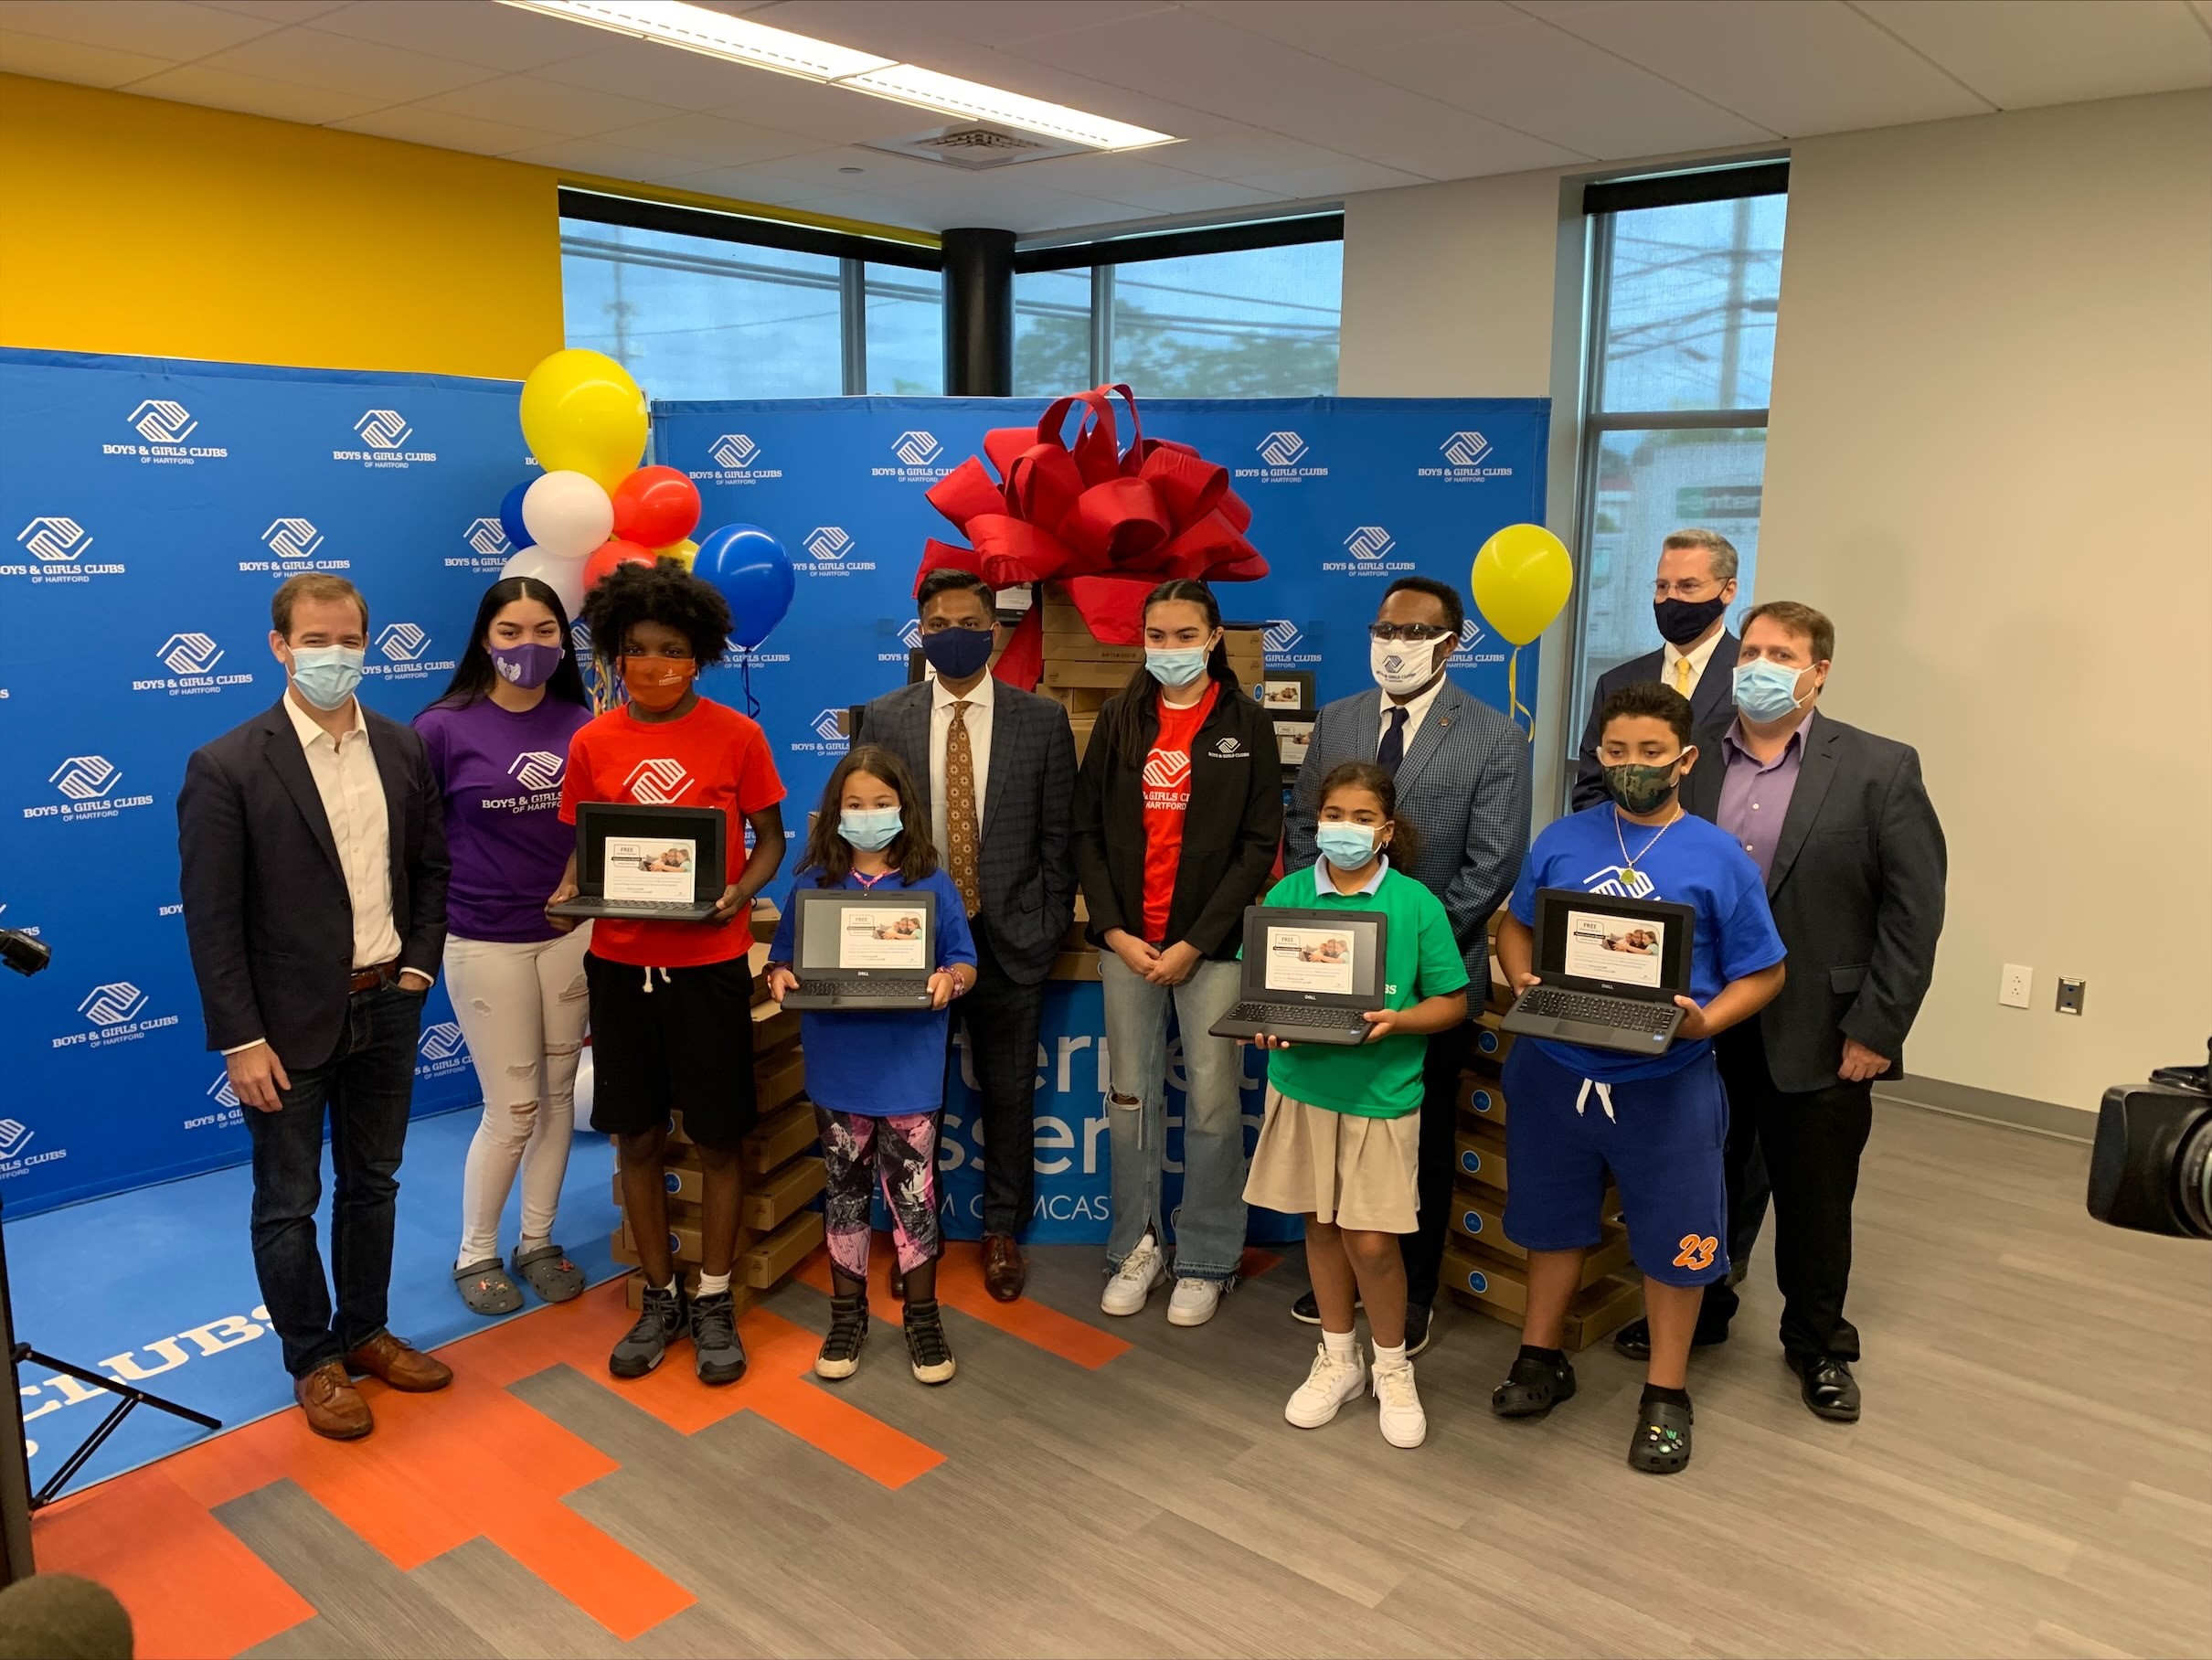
2033,1478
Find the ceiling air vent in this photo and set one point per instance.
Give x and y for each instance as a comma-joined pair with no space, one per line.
975,146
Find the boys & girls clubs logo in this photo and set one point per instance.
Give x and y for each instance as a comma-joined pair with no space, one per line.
736,460
830,551
1285,458
917,458
87,785
487,548
382,435
164,429
56,549
405,648
114,1013
295,544
1465,458
1369,547
192,661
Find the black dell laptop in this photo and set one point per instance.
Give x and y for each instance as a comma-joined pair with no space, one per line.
647,863
1611,968
853,949
1309,975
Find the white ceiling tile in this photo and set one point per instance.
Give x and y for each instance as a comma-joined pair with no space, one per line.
373,73
828,113
276,11
417,124
499,37
709,141
1810,65
546,106
749,184
1337,178
1251,151
1111,176
1528,75
1007,207
2017,53
664,75
605,157
1376,129
255,95
911,33
1182,56
878,171
91,66
1200,195
1328,27
158,29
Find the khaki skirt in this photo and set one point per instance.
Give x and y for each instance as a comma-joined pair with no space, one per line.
1336,1166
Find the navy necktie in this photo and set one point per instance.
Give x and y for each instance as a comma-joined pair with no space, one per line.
1393,748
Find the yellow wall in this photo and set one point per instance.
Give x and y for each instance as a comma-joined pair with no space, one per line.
170,229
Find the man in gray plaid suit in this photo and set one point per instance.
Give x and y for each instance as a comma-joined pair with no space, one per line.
1462,781
997,767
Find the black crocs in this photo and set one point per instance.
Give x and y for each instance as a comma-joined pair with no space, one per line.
1532,1388
1661,1445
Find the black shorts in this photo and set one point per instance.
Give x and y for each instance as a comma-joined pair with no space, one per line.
683,1045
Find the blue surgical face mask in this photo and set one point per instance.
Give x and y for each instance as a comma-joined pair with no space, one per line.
1766,691
1180,666
327,675
870,829
1346,846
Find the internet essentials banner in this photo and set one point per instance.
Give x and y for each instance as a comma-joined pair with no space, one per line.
148,508
1347,494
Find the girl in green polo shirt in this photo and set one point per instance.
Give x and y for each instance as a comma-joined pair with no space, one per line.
1343,1127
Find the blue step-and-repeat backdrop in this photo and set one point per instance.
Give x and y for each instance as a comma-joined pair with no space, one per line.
152,505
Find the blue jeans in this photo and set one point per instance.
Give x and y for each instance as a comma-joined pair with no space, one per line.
1209,1224
366,1085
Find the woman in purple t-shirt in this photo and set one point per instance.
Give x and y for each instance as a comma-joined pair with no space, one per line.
498,743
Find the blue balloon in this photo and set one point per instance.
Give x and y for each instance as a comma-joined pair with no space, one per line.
753,573
510,516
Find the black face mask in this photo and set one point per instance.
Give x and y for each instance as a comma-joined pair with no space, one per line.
1682,621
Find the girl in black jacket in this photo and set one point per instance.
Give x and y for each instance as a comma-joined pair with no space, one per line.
1178,814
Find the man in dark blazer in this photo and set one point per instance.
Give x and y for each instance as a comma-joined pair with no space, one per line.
1461,770
313,881
1690,596
1840,824
996,766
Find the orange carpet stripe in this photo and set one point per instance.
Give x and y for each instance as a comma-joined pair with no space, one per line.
613,1584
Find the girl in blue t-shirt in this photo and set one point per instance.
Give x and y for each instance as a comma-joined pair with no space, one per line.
1657,1121
876,1076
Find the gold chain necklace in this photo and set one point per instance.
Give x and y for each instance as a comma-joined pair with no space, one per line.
1628,864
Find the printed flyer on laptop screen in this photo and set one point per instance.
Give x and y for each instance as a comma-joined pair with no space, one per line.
882,936
642,869
1621,949
1309,960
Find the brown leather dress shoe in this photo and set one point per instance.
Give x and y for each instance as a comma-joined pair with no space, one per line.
334,1406
400,1365
1005,1271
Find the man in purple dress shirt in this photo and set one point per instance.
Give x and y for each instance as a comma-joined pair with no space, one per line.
1840,825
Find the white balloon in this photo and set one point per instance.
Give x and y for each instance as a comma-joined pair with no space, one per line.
567,515
564,577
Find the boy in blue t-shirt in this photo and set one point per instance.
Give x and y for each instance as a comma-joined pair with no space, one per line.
1657,1123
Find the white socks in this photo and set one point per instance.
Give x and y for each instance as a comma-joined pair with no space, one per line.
714,1285
1390,1359
1342,1345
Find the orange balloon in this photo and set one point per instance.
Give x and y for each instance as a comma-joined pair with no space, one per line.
608,554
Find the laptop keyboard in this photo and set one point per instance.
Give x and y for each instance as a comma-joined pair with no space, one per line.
864,988
1628,1014
1272,1017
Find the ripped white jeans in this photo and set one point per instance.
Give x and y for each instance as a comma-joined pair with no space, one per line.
522,1008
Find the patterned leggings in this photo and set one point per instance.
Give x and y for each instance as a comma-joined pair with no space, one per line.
903,1150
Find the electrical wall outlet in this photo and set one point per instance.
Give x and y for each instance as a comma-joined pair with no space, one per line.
2070,994
2017,985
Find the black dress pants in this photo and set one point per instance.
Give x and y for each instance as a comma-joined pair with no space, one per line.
1423,1250
1811,1141
1000,1016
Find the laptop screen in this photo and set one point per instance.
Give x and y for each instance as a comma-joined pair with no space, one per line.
841,931
1314,954
1625,945
655,853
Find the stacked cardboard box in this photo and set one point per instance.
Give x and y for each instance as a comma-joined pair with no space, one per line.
1082,671
1482,1268
780,1174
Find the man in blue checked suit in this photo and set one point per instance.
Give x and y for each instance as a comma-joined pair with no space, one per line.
1462,781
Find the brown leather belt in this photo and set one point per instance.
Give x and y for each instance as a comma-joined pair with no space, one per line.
369,979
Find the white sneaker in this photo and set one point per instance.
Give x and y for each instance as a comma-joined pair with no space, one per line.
1404,1424
1141,1270
1335,1380
1193,1302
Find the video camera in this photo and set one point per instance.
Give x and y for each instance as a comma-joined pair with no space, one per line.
2151,1169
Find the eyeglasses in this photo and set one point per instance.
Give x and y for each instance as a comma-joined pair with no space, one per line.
1689,588
1411,633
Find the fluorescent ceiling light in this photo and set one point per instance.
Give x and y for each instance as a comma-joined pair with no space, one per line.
696,28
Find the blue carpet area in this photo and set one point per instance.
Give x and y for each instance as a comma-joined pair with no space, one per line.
156,1286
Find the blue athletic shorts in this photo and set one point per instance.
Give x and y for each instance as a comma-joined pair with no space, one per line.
1661,1137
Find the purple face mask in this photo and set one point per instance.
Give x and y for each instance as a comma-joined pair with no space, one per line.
528,664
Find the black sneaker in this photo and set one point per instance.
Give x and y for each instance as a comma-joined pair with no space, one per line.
720,1357
647,1342
840,1356
1532,1388
927,1347
1417,1328
1308,1310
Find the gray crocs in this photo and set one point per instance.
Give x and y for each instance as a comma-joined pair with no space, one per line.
550,1273
485,1288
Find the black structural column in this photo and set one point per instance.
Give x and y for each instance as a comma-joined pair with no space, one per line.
979,312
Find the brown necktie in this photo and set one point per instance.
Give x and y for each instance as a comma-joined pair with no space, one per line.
960,809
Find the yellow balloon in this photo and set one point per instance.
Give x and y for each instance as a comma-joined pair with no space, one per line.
683,552
582,413
1521,579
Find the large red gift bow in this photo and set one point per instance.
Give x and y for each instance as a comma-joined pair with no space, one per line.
1111,523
